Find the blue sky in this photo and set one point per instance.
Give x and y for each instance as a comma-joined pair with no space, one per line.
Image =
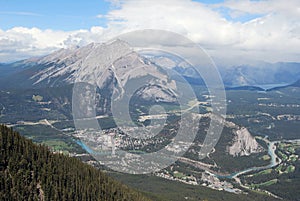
265,30
53,14
57,14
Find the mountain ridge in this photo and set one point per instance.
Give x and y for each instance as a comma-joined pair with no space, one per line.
66,65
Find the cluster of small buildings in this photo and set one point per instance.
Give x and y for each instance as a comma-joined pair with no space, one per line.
185,179
213,182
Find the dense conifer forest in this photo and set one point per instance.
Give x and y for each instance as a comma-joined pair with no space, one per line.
31,172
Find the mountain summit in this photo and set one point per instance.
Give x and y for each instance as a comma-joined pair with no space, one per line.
114,67
97,63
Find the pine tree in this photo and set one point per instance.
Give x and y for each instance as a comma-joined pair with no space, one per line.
31,172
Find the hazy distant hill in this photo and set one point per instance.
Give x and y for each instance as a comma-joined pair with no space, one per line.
116,62
296,84
261,74
257,74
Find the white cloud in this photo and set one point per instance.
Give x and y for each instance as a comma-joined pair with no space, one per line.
272,37
287,8
20,42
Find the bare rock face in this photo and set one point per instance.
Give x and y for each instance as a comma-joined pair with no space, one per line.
244,144
114,68
96,62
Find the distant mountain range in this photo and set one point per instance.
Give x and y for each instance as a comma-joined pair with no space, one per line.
296,84
116,62
261,76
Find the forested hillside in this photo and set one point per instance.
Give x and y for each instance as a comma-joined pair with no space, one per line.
31,172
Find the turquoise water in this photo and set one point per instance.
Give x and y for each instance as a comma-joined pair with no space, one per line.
271,153
90,151
271,86
84,146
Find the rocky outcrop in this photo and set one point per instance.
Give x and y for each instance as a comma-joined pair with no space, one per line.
244,144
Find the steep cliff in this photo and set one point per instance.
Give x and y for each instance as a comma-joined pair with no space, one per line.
244,144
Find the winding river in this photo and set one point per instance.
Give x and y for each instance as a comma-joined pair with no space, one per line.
275,160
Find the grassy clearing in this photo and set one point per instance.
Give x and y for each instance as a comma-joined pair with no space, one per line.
265,157
57,145
268,171
178,175
290,169
267,183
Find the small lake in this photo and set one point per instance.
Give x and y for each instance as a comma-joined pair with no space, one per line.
271,86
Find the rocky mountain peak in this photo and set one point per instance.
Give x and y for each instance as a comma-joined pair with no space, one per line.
244,144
